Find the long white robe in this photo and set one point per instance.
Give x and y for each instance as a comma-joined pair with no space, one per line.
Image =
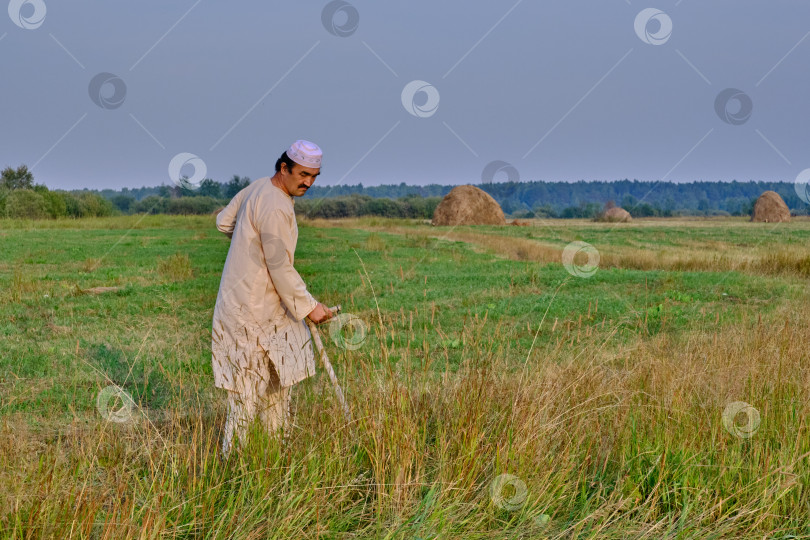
258,331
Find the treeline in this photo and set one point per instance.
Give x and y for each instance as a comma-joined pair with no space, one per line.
415,206
551,199
208,188
204,199
21,198
641,199
126,198
155,204
587,198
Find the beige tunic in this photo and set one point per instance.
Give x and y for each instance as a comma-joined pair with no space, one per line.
258,331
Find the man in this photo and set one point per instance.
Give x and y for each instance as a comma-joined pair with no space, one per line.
260,343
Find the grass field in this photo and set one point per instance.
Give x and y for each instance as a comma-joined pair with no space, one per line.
496,393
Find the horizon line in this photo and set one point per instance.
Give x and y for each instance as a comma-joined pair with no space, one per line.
482,183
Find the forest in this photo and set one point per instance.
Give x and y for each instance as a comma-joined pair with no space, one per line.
21,197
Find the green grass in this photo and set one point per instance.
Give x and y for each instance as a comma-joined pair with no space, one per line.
437,284
475,364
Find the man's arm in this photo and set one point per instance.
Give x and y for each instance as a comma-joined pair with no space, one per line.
278,247
226,219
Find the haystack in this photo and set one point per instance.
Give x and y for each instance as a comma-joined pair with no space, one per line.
616,214
468,205
770,208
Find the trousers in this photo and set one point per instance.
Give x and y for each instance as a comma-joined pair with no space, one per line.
269,404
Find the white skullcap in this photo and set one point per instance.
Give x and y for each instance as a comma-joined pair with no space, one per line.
305,153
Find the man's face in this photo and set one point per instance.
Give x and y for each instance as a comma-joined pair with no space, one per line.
299,179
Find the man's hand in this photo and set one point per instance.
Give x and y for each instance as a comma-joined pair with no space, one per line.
320,314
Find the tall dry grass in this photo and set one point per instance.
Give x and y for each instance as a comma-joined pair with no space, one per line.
602,441
176,267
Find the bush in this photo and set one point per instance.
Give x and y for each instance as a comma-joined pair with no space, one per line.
179,206
422,207
25,204
151,205
88,205
584,210
339,207
96,205
192,205
3,196
545,211
123,202
412,206
56,203
384,208
72,206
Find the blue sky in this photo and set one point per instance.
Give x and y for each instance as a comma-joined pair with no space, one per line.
561,90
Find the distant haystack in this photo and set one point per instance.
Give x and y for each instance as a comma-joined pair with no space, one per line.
468,205
770,208
615,214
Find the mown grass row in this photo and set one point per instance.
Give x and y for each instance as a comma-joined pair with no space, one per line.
710,245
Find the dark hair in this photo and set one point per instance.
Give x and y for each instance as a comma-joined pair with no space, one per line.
284,159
